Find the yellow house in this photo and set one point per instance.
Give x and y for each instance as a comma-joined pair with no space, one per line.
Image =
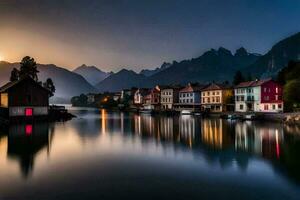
217,98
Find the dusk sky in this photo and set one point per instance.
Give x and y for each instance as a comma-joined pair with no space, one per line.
139,34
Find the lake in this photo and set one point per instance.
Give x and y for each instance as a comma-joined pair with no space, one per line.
115,155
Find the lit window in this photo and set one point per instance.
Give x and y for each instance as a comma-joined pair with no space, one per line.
28,112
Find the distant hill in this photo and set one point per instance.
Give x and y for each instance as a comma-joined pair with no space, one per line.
91,73
277,58
149,72
122,79
217,65
67,83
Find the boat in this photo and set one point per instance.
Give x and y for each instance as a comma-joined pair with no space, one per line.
186,112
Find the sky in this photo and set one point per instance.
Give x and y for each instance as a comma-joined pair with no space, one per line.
136,34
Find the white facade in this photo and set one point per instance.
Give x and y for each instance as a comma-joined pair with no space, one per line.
166,98
247,99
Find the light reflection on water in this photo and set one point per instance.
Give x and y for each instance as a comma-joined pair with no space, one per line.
114,154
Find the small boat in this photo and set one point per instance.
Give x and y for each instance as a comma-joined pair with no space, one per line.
249,117
146,111
186,112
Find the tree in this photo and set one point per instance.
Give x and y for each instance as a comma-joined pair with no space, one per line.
292,95
28,67
238,78
49,85
14,75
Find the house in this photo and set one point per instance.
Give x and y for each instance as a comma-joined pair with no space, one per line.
117,96
259,96
152,99
139,96
189,98
24,98
217,98
169,95
91,98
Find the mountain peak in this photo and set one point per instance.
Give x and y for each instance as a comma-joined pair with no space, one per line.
223,51
241,52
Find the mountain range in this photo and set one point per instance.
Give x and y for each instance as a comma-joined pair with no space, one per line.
91,73
213,65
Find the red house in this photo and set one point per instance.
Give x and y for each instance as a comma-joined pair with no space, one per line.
259,96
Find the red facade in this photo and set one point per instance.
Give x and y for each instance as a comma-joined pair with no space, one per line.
271,92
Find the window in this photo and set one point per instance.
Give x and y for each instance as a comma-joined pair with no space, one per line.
213,99
4,100
242,98
203,100
266,107
273,107
276,89
241,107
213,93
191,100
218,99
279,106
28,112
265,89
218,93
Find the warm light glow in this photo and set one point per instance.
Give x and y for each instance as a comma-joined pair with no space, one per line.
1,57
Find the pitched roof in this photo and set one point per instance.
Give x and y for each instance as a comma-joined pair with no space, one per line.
9,85
192,88
216,86
252,83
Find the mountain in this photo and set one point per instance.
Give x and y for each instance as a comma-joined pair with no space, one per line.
91,73
213,65
149,72
122,79
67,83
277,58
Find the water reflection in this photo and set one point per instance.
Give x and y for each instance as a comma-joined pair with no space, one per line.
25,141
227,148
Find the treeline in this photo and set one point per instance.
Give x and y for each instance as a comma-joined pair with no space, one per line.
289,77
102,100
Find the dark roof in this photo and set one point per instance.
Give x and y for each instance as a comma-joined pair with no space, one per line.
192,88
216,86
9,85
252,83
143,91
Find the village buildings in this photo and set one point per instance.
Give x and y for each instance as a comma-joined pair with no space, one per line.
259,96
190,98
169,96
217,98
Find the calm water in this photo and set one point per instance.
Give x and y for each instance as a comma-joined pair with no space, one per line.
108,155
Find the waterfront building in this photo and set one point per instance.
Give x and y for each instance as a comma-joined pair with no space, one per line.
190,98
139,96
152,99
217,98
169,96
24,98
259,96
91,98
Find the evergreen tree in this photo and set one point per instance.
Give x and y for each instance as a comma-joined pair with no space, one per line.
238,78
14,75
49,85
28,67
